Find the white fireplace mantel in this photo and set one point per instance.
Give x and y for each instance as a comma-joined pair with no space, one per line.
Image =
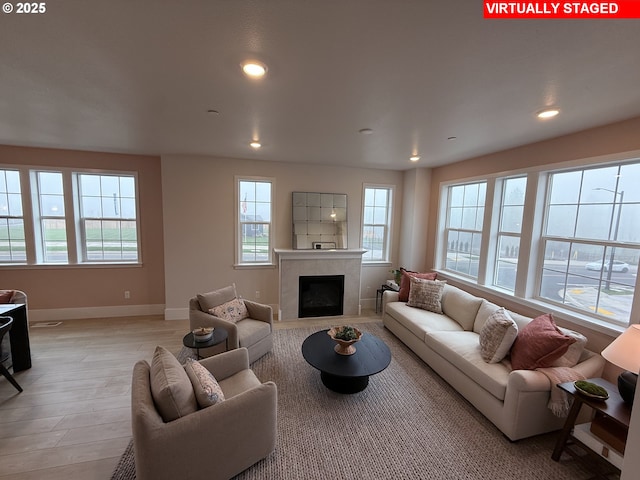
295,263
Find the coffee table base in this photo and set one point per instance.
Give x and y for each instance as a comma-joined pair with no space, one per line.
344,384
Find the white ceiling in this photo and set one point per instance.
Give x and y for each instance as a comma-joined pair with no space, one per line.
138,76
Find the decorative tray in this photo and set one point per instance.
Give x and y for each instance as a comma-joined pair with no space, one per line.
584,392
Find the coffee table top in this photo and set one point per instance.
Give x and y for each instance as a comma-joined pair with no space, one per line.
371,357
219,336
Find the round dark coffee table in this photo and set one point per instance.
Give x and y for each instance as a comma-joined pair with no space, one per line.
346,373
219,335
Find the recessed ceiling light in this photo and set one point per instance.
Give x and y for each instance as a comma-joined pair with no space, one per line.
255,145
414,158
548,113
213,112
452,138
254,69
365,131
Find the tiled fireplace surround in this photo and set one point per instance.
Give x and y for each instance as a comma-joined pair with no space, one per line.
295,263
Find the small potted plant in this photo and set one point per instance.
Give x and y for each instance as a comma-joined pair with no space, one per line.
345,336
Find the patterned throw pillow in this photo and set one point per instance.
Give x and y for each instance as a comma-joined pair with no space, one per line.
426,294
539,344
405,282
205,385
497,335
232,311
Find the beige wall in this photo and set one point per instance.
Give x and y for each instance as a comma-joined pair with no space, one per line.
69,287
199,236
589,144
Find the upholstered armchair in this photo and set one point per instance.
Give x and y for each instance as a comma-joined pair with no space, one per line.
215,442
254,332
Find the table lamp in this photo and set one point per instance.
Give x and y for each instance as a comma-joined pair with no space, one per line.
624,352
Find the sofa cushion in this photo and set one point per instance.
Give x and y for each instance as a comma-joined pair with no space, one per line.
484,312
232,311
205,386
574,352
426,294
405,282
420,322
462,350
461,306
539,344
217,297
497,335
171,388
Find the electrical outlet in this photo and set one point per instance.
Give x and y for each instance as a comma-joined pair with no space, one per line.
257,294
127,294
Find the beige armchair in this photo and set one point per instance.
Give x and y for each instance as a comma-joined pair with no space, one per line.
215,442
253,333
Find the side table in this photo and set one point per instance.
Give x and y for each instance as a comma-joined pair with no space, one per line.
219,335
611,422
379,293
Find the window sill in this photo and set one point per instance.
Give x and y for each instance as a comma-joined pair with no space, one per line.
49,266
247,266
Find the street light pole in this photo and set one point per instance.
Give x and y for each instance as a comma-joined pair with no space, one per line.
615,233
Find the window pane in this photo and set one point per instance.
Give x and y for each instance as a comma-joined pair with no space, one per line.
594,222
512,219
565,188
255,205
561,220
12,240
506,266
50,183
54,235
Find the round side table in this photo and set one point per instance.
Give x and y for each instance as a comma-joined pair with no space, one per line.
219,335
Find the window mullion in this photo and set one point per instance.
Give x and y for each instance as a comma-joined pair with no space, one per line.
70,193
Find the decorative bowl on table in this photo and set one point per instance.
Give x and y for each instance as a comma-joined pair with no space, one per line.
202,334
591,390
345,336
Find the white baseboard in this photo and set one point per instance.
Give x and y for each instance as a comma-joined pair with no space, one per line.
57,314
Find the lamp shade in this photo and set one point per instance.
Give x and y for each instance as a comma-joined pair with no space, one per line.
624,351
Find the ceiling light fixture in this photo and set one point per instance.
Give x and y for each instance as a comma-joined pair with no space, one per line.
255,145
548,113
414,158
365,131
254,69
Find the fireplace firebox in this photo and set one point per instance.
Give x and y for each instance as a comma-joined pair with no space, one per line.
320,296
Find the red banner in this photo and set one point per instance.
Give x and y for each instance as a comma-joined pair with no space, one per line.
578,10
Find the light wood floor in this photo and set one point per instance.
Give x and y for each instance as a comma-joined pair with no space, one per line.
73,419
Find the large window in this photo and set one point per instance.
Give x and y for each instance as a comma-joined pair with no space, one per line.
376,225
591,240
509,230
12,239
465,213
567,240
254,209
66,216
108,217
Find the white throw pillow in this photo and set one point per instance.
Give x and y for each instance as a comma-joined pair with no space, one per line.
426,294
572,357
497,336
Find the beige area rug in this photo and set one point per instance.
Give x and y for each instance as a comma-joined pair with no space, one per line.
407,424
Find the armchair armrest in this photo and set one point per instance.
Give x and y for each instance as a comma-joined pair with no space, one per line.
389,296
259,311
228,363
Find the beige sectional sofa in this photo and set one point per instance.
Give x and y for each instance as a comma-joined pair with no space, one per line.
515,401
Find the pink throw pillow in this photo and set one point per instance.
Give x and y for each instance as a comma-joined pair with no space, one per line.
6,296
539,344
405,282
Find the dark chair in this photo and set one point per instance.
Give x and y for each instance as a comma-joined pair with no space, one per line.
5,326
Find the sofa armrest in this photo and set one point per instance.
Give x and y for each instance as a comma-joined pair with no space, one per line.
533,381
389,296
259,311
198,318
228,363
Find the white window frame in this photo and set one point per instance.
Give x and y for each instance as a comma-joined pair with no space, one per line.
386,225
7,216
240,223
33,217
